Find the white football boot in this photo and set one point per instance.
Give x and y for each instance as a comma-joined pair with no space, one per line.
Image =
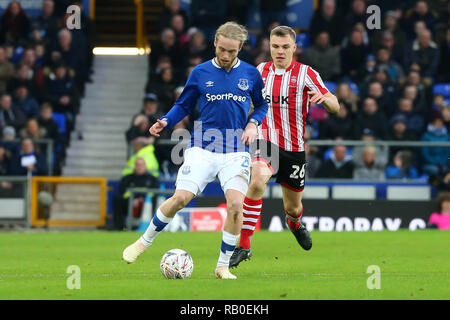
223,272
133,251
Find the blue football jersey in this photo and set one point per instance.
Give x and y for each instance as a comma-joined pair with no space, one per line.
224,100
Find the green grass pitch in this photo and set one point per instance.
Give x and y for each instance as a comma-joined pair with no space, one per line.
413,265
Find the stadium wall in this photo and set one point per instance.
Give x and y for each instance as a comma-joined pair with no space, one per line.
345,215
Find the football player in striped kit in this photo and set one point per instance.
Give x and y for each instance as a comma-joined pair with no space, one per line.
290,88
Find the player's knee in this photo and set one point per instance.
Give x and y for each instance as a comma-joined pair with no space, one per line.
234,208
257,186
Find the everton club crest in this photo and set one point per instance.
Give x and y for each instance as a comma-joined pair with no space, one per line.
243,84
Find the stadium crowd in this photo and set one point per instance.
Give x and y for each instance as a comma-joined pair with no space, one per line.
43,70
388,81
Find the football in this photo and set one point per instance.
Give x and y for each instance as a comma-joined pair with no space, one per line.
177,264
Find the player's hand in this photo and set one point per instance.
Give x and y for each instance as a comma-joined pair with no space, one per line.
316,97
250,134
157,127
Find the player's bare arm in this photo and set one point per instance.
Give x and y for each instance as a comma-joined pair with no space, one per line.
328,100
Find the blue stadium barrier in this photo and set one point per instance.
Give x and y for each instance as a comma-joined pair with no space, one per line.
442,88
60,121
331,86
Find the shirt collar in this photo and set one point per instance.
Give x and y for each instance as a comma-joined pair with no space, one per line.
215,64
287,69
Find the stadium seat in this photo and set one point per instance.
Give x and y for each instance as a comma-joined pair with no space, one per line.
331,86
61,121
442,88
354,87
302,40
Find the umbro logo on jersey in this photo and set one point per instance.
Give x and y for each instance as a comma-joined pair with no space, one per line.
209,83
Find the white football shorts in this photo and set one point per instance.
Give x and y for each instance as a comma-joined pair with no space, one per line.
201,167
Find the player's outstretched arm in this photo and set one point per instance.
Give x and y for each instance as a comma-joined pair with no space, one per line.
157,127
329,100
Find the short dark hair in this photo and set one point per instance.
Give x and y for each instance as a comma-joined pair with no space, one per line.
444,196
282,31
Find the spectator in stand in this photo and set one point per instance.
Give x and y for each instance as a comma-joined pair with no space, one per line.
24,75
371,118
15,25
141,149
439,102
384,102
139,178
197,46
47,22
313,161
29,58
425,53
353,56
4,162
25,102
32,130
446,117
9,114
435,158
338,125
61,93
339,166
28,160
443,74
393,68
414,122
6,70
177,24
139,128
396,50
327,19
169,12
411,92
323,57
390,23
401,167
207,15
238,11
369,167
345,93
441,218
8,140
47,122
262,51
166,46
150,108
420,12
164,85
357,14
399,132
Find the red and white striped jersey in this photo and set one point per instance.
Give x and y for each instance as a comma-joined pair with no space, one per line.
286,93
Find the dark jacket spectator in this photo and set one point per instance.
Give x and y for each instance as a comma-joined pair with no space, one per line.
353,56
338,125
339,166
28,160
10,115
443,74
26,103
15,25
172,9
414,122
139,128
324,58
327,19
4,162
47,21
420,12
425,53
6,70
139,178
371,118
60,89
166,46
47,122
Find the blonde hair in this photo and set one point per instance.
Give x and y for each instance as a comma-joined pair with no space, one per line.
232,30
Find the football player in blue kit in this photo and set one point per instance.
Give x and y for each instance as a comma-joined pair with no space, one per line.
224,88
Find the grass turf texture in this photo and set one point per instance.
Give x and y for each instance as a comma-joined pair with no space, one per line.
414,265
